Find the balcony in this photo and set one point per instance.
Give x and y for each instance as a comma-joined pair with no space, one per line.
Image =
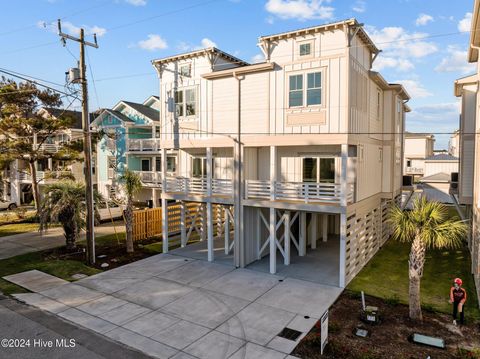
51,147
143,145
308,192
150,178
220,187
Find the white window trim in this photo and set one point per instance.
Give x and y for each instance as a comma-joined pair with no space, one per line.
304,89
312,49
184,89
189,64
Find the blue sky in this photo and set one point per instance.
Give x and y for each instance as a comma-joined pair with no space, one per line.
424,42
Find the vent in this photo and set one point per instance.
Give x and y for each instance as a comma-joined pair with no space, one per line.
290,334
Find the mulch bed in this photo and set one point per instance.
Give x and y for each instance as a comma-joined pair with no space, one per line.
115,255
389,338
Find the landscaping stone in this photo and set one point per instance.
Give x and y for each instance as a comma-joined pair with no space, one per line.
79,276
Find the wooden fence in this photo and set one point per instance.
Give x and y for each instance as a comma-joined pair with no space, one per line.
147,223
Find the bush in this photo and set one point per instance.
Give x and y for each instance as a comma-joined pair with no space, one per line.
463,353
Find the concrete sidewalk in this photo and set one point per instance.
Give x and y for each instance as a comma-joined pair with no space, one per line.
169,306
22,243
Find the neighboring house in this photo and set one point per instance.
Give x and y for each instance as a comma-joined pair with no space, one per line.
17,178
468,192
418,146
454,144
122,128
305,146
437,177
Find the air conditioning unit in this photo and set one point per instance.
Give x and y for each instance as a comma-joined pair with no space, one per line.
74,75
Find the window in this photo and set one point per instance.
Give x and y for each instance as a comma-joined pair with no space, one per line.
312,93
171,164
190,102
199,167
186,102
158,164
145,164
319,169
112,165
295,96
185,70
305,49
179,103
157,131
380,154
409,163
314,88
399,106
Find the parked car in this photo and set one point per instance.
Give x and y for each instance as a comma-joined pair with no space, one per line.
109,211
7,205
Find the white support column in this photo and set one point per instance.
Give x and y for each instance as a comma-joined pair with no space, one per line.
50,164
273,171
227,230
324,227
303,234
164,202
286,258
258,241
343,240
154,197
183,225
209,171
343,176
203,210
210,247
273,245
313,231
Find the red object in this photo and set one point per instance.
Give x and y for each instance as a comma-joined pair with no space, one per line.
458,281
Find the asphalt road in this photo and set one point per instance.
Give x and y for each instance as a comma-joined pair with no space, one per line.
36,330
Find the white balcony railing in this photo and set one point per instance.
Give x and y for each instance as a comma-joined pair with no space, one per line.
144,144
150,178
50,147
308,192
416,170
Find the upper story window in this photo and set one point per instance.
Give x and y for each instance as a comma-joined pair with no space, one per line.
186,102
379,104
305,49
310,95
185,70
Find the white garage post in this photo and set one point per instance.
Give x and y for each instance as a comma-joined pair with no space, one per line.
286,258
273,231
227,230
164,202
303,234
313,231
324,227
209,206
183,225
343,238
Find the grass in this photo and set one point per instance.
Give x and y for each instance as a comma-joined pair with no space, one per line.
17,228
386,276
60,268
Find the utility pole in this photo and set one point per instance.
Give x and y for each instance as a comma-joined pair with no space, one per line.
87,141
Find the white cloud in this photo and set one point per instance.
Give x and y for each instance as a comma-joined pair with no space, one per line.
152,43
257,59
423,19
415,88
205,43
137,2
300,9
402,65
455,61
360,6
400,47
465,24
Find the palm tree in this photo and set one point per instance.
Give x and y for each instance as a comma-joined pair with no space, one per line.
132,184
64,202
426,226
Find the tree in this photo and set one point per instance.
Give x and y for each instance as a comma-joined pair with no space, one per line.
426,226
133,184
64,202
23,131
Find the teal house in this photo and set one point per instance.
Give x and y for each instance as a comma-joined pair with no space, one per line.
128,138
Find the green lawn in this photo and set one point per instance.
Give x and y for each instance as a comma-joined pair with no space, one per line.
386,276
59,268
17,228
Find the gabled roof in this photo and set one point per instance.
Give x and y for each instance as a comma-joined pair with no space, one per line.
76,115
325,27
113,113
146,111
384,85
437,177
200,52
442,157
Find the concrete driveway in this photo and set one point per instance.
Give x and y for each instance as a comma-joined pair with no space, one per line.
168,306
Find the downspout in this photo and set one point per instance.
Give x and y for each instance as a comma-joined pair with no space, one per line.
239,245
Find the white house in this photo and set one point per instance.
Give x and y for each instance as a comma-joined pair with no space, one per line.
302,153
468,192
418,146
